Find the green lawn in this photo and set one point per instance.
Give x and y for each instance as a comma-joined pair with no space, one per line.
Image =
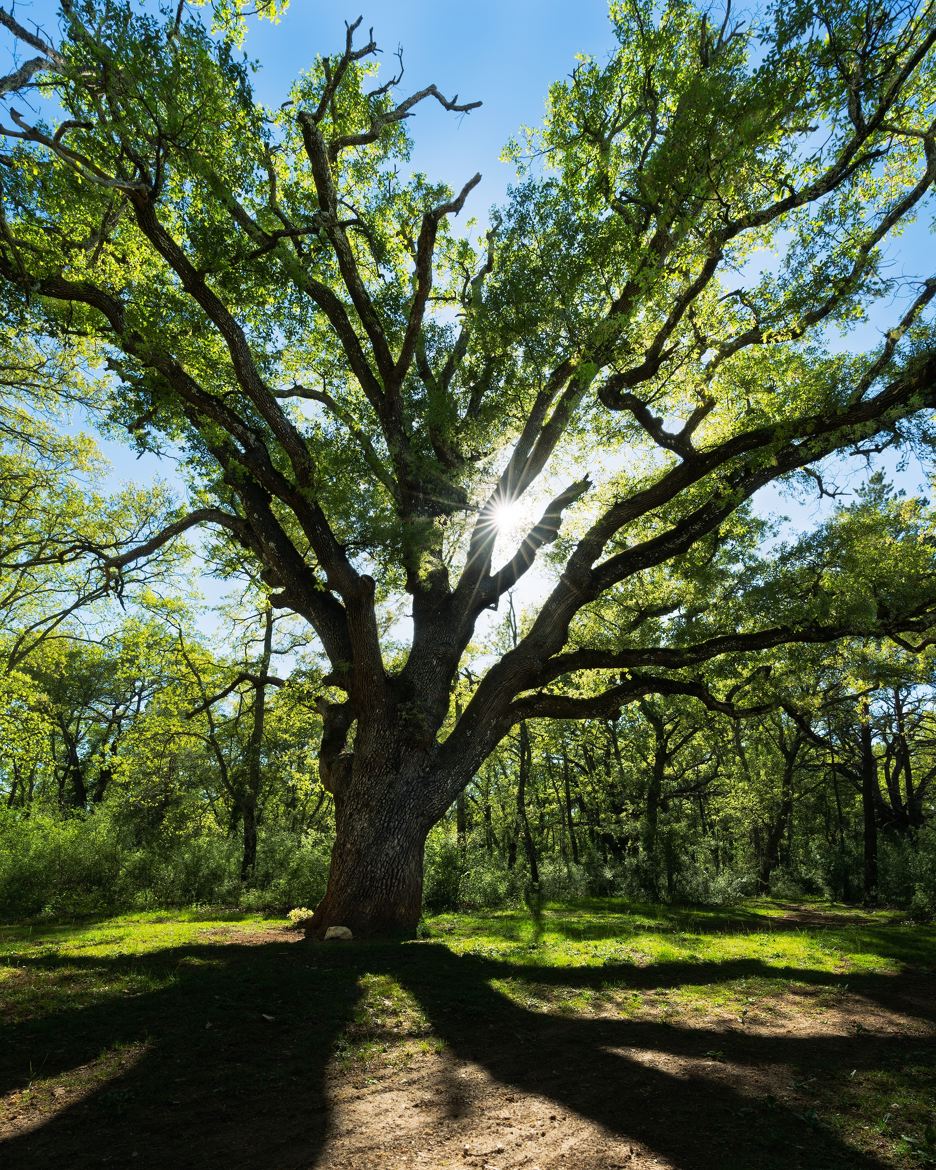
758,1037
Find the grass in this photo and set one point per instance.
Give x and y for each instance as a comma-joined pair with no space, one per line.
152,1031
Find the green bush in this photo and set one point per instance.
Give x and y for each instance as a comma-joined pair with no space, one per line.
291,871
64,866
563,880
443,871
907,872
58,865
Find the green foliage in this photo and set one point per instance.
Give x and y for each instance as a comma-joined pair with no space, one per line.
56,867
351,387
908,872
52,867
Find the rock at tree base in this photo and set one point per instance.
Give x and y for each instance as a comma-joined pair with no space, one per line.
338,934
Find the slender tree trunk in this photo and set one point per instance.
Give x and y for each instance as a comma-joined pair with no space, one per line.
669,861
770,858
73,792
512,837
254,776
104,777
652,801
524,822
782,821
869,797
249,856
567,784
913,805
461,822
842,850
488,827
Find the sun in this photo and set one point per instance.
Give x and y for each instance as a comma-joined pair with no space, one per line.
507,516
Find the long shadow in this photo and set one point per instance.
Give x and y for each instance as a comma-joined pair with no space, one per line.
219,1084
588,926
610,1070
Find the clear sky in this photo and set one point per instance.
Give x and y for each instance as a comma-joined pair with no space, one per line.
503,53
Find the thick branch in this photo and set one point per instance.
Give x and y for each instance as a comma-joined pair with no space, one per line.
681,657
217,516
544,532
608,704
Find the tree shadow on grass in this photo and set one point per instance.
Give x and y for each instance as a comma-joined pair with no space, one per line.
662,1084
587,921
218,1084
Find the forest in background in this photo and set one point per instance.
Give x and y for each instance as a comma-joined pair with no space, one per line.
144,767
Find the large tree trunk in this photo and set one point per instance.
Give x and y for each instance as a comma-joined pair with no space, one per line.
376,877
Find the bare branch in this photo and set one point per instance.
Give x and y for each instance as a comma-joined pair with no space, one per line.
32,39
397,114
423,275
256,680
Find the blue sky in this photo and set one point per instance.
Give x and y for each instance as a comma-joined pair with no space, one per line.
504,54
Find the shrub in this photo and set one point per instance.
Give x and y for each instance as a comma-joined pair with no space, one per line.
58,865
442,875
62,866
907,872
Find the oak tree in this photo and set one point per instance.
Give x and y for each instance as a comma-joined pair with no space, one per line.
362,394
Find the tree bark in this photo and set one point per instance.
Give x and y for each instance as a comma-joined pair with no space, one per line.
250,795
649,842
376,877
770,858
842,849
249,854
524,822
567,784
461,821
